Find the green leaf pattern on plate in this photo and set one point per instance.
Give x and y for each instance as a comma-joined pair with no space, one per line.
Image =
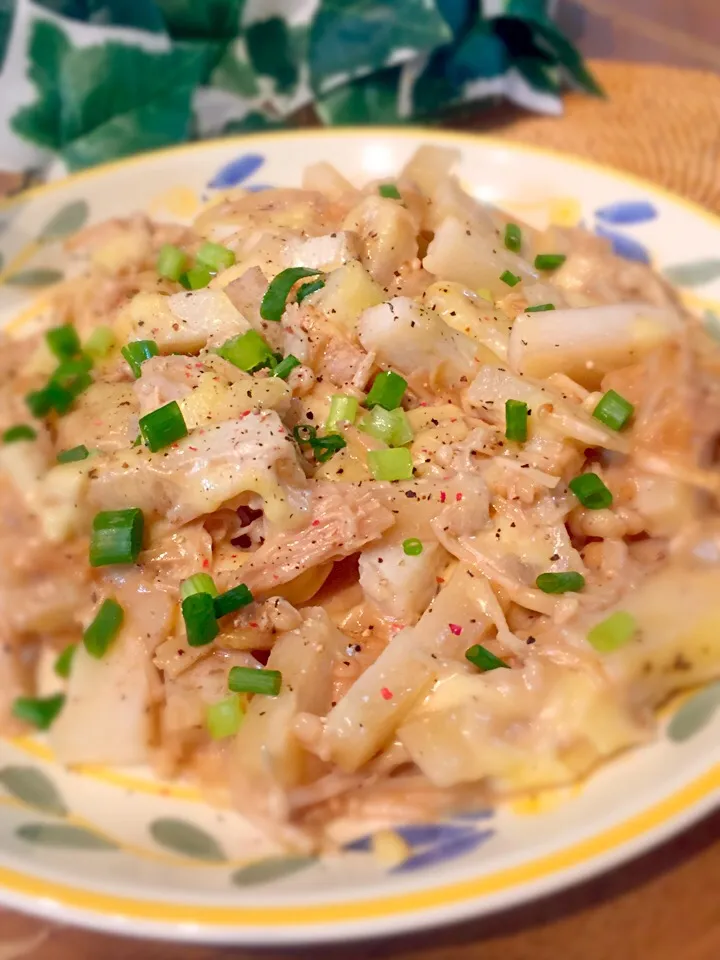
186,838
65,836
696,273
66,221
39,277
34,788
694,714
199,68
274,868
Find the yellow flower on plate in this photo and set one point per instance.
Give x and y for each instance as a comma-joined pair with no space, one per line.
179,202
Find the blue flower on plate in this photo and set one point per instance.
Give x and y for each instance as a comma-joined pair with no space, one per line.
625,246
237,171
627,212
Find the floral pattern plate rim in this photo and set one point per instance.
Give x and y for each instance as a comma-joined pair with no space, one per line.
122,852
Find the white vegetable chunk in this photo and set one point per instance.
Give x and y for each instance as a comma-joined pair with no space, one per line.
388,234
429,166
401,586
328,252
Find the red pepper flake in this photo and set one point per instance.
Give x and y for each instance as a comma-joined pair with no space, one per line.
386,694
254,625
458,497
439,580
205,563
443,496
455,629
194,449
315,523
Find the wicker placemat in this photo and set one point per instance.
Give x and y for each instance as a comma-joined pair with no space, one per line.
661,123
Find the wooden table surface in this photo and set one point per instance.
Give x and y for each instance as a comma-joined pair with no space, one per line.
665,905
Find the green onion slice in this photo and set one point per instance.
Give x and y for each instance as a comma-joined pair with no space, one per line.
322,447
389,191
391,464
540,308
285,367
516,420
591,491
273,303
483,659
232,600
137,352
200,622
198,583
343,409
549,261
63,664
215,256
613,632
171,261
254,680
307,288
20,432
63,341
511,279
390,426
195,278
248,351
223,719
513,237
163,426
613,410
412,547
100,342
73,454
104,628
387,390
560,582
117,537
39,712
71,377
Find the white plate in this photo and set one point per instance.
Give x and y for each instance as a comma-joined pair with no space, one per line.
118,851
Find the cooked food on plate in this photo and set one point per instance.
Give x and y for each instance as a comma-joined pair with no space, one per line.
356,502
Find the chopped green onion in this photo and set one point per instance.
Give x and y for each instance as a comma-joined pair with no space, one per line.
254,680
63,341
171,261
307,288
304,433
343,409
286,367
104,628
327,446
613,632
511,279
137,352
200,622
540,307
195,278
412,547
163,426
549,261
232,600
116,537
273,303
63,664
389,191
39,712
483,659
52,397
402,431
516,420
74,454
390,426
391,464
198,583
591,491
387,390
21,432
223,719
613,410
215,256
560,582
100,342
71,376
39,402
513,237
248,351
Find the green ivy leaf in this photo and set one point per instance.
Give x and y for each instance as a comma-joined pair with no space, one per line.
7,10
117,13
186,838
358,37
41,122
372,99
274,868
63,835
695,714
201,19
271,53
34,788
234,72
39,277
67,220
695,273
